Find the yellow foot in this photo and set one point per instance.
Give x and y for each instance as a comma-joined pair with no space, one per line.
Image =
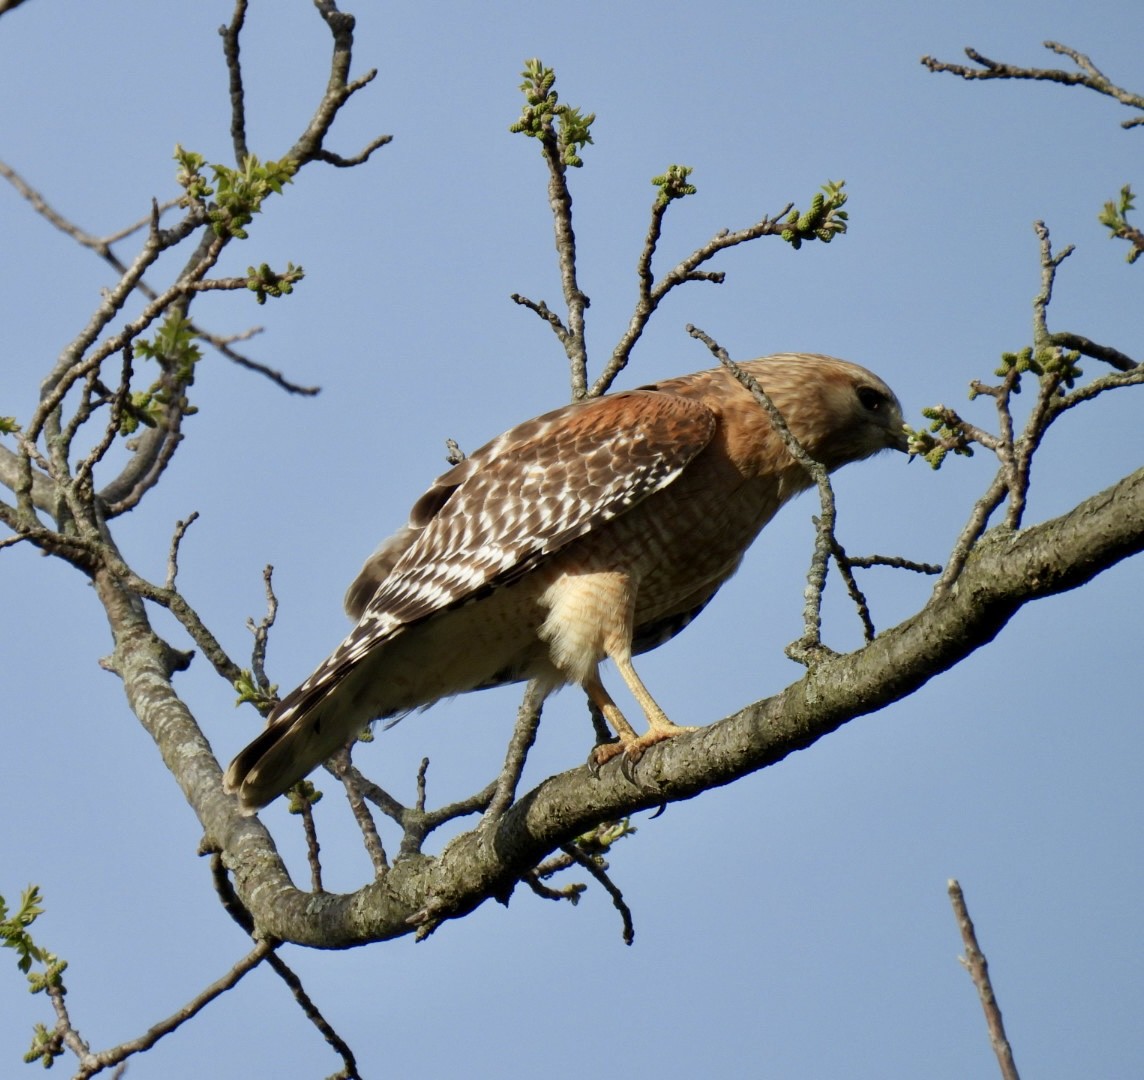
632,749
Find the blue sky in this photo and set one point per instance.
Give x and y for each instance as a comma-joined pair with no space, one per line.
793,925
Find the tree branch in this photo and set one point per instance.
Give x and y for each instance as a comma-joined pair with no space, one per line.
978,968
1089,75
1009,569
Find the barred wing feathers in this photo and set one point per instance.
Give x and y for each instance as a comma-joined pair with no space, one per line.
482,525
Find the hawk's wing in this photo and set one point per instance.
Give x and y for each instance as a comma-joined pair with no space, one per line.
527,494
482,525
496,515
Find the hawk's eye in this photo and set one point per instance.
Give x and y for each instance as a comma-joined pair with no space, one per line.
871,399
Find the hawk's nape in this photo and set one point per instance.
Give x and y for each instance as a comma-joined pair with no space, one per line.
593,532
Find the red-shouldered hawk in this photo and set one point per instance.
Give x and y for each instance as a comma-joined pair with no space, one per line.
595,531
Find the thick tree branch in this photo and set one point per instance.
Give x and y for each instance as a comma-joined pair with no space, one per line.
1009,569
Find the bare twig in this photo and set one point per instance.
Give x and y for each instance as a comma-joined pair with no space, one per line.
1089,75
376,794
234,908
312,1013
652,293
102,246
1048,386
545,312
866,561
600,874
341,762
809,647
971,532
416,822
360,158
230,44
313,848
523,736
846,570
181,528
119,404
1079,343
177,604
571,892
978,968
560,201
261,630
339,89
422,773
149,1038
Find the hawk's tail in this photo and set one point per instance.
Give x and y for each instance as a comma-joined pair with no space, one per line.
303,731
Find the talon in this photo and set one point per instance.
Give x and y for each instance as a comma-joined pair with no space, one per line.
629,759
602,753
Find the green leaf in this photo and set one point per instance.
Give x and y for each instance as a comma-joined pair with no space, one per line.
673,184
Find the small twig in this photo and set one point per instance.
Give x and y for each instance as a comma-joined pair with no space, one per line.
598,872
230,45
560,201
846,570
972,532
130,230
523,736
1079,343
422,773
66,1033
978,967
341,766
175,603
181,528
1113,381
306,1004
1089,75
652,293
377,795
339,89
416,822
119,400
102,246
313,848
275,376
360,158
234,908
70,367
1049,265
809,647
1020,453
571,892
545,312
866,561
261,630
116,1054
553,865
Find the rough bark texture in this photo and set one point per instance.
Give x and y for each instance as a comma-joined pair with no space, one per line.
1006,570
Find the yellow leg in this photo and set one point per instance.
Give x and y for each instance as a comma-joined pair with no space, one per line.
600,697
630,745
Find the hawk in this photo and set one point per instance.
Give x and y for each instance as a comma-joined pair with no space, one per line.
596,531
